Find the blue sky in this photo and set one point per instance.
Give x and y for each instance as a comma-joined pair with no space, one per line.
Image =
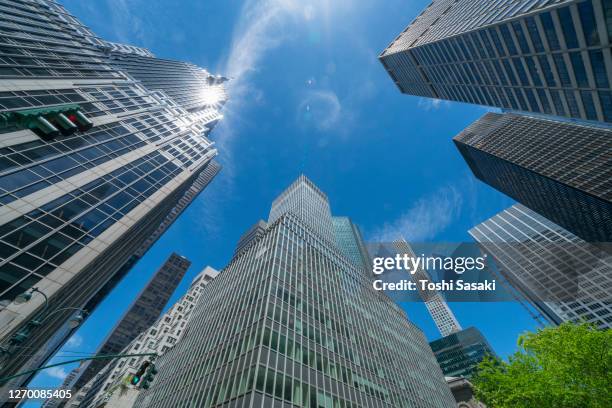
308,96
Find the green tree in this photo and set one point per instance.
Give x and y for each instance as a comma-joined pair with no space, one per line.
557,367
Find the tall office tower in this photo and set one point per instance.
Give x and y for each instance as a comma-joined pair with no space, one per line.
203,180
459,353
67,384
438,308
560,170
350,241
549,57
142,313
564,277
251,235
298,200
92,164
291,320
105,387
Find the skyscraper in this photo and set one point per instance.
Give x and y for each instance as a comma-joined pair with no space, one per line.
157,338
436,305
564,277
93,164
298,200
292,320
143,312
549,57
459,353
560,170
252,234
350,241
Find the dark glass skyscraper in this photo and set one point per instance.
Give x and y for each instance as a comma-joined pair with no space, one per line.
93,166
550,57
561,275
560,170
459,353
292,321
143,312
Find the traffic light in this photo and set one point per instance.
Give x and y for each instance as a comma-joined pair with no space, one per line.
140,373
148,379
48,122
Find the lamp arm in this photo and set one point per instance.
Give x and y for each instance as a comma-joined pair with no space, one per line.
61,310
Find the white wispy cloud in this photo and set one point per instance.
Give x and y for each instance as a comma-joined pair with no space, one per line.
425,218
262,26
56,372
74,341
430,104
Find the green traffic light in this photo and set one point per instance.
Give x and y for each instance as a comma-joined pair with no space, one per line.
135,380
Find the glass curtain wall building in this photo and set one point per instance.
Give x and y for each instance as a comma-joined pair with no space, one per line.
291,321
459,353
106,385
564,277
436,305
350,241
560,170
143,312
551,57
92,164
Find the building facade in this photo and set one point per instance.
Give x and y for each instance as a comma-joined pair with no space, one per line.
67,384
251,235
436,305
560,170
459,353
142,313
564,277
550,57
103,389
292,321
93,163
350,241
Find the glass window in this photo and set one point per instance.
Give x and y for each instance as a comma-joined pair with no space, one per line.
505,32
589,27
562,70
556,97
599,69
532,28
479,46
567,25
607,6
548,74
533,71
549,30
572,104
579,70
487,43
532,100
497,42
521,100
589,105
520,36
518,65
605,98
509,72
544,101
511,98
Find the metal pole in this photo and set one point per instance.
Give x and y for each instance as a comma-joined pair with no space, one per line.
109,356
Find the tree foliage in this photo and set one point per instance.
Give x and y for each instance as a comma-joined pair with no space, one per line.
557,367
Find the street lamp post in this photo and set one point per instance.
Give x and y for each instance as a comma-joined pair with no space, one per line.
23,334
